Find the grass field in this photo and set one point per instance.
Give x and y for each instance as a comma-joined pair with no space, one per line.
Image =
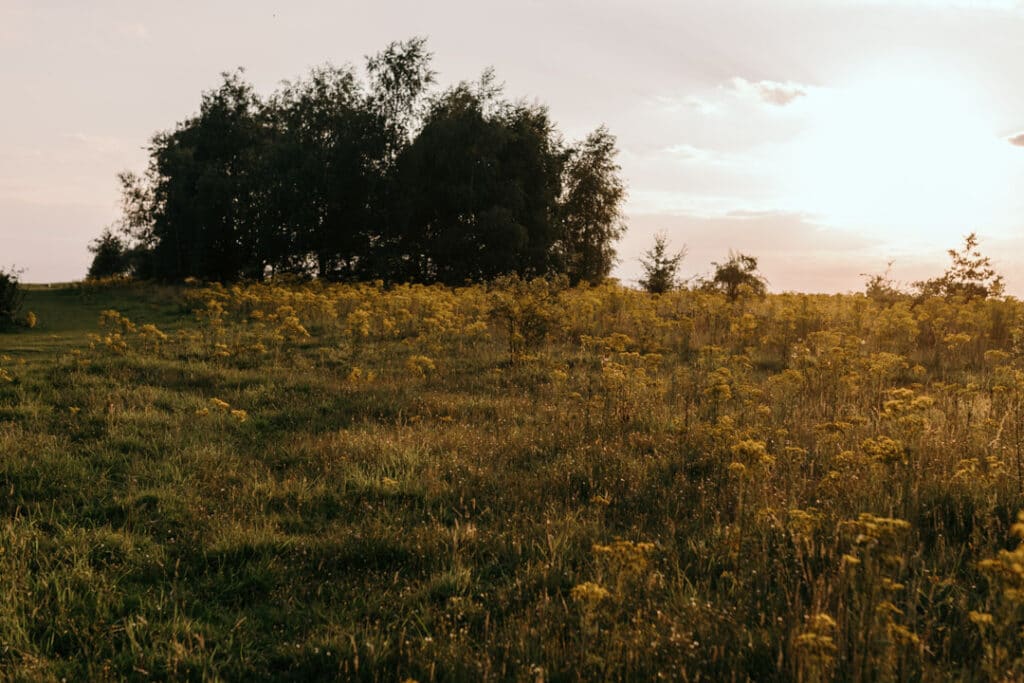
521,482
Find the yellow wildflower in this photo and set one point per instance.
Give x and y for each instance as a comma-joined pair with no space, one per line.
589,593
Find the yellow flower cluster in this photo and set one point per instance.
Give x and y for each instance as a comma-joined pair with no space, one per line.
589,593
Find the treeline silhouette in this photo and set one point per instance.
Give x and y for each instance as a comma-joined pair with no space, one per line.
379,176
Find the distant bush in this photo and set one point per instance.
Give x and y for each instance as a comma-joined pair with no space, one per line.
882,288
736,276
102,283
969,276
11,298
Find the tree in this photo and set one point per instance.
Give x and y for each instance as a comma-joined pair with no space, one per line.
336,146
109,256
737,275
400,78
591,208
969,276
11,297
661,268
478,189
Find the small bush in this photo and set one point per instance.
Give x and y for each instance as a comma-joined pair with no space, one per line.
736,276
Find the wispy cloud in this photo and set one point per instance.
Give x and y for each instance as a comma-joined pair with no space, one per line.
687,153
736,94
772,92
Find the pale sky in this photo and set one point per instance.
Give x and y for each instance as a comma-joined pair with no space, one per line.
826,137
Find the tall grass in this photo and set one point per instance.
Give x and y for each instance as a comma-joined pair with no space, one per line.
522,482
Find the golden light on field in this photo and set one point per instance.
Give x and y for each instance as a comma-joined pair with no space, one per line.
904,148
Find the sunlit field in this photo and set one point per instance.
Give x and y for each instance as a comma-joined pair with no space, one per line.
520,481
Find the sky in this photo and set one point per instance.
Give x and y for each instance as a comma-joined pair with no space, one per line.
826,137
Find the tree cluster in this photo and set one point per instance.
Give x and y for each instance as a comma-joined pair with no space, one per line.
734,277
376,176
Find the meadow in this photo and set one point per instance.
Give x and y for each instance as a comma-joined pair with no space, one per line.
518,481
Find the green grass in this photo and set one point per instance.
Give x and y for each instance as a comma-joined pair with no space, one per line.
67,313
579,510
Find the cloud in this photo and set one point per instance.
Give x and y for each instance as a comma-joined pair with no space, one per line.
691,153
685,152
1017,139
772,92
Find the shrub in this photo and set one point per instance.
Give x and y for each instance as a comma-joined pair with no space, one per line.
737,275
526,309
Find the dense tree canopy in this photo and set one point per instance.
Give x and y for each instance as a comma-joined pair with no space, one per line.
347,178
478,189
